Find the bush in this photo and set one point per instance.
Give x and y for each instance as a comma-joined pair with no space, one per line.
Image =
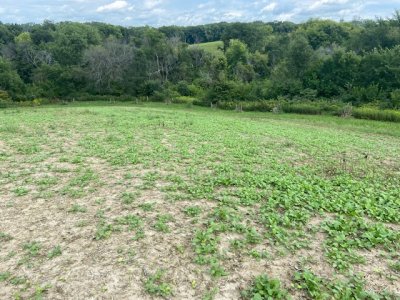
313,108
222,91
183,100
283,105
265,106
361,95
186,89
113,98
37,102
301,108
346,111
376,114
166,95
395,98
5,99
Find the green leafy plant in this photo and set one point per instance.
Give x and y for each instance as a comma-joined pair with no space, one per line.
264,287
155,285
56,251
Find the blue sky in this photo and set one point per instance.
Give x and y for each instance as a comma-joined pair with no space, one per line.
190,12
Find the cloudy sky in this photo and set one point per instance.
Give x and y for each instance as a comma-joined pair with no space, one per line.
190,12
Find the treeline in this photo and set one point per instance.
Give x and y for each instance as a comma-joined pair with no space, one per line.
354,62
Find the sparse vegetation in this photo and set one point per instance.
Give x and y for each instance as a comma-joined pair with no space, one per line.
56,251
222,204
156,286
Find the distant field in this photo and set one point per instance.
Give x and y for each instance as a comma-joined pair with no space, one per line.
212,47
156,201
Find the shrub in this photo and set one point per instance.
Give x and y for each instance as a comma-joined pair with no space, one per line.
377,114
346,111
183,100
301,108
359,95
186,89
266,106
222,91
312,108
5,99
37,102
283,105
166,95
395,98
112,98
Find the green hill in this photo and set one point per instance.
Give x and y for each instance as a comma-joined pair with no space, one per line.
216,48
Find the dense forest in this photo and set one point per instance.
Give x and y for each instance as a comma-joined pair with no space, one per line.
354,62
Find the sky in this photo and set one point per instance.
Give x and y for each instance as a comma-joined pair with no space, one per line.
191,12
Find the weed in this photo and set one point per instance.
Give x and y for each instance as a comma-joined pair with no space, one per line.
32,248
147,206
192,211
128,198
4,237
133,222
209,295
4,276
217,270
155,285
16,280
21,191
264,287
395,266
161,223
320,288
104,231
76,208
56,251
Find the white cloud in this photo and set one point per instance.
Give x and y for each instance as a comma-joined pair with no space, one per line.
233,14
186,12
150,4
270,7
286,16
318,4
116,5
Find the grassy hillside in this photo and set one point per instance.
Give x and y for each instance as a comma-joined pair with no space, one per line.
140,201
216,48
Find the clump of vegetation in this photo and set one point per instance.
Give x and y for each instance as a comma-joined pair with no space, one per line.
5,237
320,288
192,211
128,198
76,208
377,114
155,285
5,99
161,223
348,234
104,231
32,248
264,287
56,251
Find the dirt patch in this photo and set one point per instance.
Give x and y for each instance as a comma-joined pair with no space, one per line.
377,273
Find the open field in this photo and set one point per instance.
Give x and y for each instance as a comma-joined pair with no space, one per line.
214,48
139,202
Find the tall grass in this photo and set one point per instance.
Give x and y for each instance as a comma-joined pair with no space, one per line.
376,114
314,108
